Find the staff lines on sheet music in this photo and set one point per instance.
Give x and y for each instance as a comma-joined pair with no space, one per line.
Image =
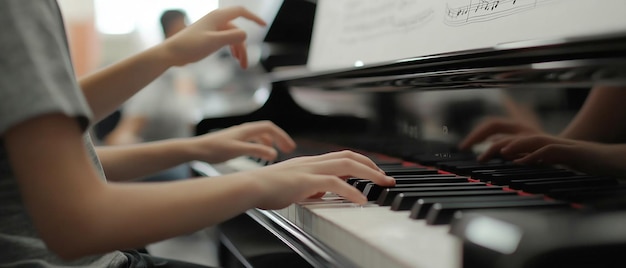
371,22
487,10
387,26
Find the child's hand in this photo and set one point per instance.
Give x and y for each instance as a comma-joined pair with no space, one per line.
299,178
209,34
256,139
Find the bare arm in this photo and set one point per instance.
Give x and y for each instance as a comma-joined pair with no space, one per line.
601,117
129,162
68,202
108,88
112,215
259,139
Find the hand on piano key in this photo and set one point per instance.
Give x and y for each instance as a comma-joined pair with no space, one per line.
257,139
299,178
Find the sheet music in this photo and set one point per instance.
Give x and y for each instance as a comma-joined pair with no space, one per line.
486,10
360,32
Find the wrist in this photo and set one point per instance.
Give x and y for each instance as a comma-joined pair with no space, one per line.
256,189
189,148
163,54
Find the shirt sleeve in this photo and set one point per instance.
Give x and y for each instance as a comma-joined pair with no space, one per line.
36,73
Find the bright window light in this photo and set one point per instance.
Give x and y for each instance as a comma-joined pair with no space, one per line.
117,17
114,16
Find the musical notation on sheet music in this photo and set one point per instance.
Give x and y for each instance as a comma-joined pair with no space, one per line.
363,21
369,32
486,10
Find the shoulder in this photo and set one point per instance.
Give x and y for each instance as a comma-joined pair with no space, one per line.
36,72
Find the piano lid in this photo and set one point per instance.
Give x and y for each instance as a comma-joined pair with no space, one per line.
499,44
542,64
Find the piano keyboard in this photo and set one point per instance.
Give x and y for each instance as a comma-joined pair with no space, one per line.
408,225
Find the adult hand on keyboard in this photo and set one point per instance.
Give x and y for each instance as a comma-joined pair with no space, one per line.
590,157
256,139
497,128
296,179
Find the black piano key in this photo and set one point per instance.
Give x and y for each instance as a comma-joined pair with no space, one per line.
388,164
489,170
388,195
442,213
411,171
436,179
372,191
426,179
542,187
351,181
503,179
592,199
467,169
420,179
417,176
401,167
428,176
518,183
447,179
433,178
486,174
421,206
360,184
587,194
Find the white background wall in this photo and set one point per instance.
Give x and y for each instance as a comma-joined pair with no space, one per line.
125,27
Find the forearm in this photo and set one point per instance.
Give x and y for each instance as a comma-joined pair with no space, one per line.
106,89
128,162
128,131
146,213
600,119
77,213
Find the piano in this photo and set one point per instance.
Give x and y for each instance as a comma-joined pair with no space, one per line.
447,210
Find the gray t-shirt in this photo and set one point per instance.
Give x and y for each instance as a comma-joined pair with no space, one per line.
36,78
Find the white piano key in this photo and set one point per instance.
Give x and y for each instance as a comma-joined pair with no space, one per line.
369,235
374,236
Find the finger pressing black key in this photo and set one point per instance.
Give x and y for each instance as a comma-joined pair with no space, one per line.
372,191
387,196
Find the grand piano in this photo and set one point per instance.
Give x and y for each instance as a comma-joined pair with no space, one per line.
408,115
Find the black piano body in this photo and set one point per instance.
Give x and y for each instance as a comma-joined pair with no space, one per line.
405,112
